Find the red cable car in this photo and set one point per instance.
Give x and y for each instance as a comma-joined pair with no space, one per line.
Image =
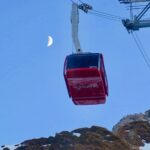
86,78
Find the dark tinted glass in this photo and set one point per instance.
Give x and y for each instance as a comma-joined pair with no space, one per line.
82,61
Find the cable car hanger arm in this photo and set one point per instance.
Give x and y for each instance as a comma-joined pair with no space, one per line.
75,22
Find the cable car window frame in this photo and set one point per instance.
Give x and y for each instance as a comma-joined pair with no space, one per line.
87,63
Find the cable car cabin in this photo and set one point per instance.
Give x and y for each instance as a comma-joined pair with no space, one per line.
85,78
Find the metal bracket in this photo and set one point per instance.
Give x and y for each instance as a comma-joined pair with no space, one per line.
136,22
85,7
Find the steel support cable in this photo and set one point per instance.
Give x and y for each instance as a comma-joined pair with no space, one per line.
105,16
143,12
141,49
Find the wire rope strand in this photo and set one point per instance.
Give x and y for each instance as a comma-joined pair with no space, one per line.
141,49
110,15
104,16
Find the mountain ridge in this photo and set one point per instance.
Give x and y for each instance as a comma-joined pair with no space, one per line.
132,132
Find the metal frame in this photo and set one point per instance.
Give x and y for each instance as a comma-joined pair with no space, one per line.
136,22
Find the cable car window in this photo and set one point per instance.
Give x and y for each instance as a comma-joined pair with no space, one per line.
82,61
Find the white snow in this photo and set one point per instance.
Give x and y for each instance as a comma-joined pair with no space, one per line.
108,135
11,147
77,134
145,147
46,145
127,131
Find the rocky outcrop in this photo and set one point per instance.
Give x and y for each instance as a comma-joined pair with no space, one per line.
130,133
94,138
134,129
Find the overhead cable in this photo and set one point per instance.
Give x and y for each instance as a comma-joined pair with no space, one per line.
141,49
105,15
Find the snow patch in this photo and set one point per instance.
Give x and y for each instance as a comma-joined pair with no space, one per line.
77,134
127,131
145,147
11,147
46,145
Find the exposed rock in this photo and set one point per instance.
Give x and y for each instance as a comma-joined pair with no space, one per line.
40,141
130,133
6,148
129,119
134,129
94,138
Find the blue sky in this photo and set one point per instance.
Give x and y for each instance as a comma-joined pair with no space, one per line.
33,96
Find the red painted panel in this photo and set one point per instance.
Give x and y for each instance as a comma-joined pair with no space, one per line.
85,86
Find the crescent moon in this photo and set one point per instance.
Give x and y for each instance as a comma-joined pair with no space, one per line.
50,41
